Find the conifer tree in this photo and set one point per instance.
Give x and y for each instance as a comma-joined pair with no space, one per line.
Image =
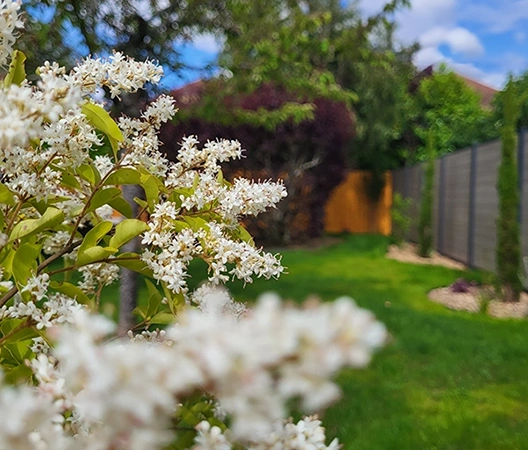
425,225
508,249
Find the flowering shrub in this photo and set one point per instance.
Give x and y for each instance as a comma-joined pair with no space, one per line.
67,382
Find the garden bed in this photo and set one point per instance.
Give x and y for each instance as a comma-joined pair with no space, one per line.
480,298
476,299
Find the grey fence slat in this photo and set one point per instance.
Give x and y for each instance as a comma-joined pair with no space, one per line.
523,162
441,205
465,205
486,205
456,202
471,212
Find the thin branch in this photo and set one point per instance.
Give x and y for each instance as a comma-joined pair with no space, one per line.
68,249
15,330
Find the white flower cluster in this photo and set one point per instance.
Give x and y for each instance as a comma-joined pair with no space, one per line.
9,22
55,309
211,242
306,434
196,176
94,276
121,395
242,198
141,136
118,72
216,300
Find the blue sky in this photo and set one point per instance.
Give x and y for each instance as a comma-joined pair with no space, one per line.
482,39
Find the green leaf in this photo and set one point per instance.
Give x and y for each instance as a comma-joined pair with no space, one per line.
71,291
141,202
17,70
87,173
140,311
18,374
151,188
93,236
154,300
101,120
121,206
6,196
94,254
103,197
136,265
162,318
70,180
245,236
196,223
49,219
179,225
7,263
125,175
25,262
127,230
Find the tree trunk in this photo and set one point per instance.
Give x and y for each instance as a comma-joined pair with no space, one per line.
128,288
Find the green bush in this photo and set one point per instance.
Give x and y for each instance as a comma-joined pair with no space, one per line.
524,273
401,221
425,224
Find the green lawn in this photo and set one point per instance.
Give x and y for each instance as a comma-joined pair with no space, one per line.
448,380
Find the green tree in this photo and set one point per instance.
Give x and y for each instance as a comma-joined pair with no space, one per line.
370,61
521,86
67,31
321,49
446,104
425,224
508,239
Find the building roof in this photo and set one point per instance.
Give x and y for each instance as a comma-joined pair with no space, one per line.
486,92
189,94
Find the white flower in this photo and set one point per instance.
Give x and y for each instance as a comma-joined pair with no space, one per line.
9,22
37,286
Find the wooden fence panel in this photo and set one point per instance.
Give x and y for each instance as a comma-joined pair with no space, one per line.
350,209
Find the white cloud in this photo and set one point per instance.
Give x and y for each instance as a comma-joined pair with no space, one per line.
428,56
460,40
464,27
371,7
207,43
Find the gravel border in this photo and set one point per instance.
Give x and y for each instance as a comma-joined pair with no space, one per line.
408,253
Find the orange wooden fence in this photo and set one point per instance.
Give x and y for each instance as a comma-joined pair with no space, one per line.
351,209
